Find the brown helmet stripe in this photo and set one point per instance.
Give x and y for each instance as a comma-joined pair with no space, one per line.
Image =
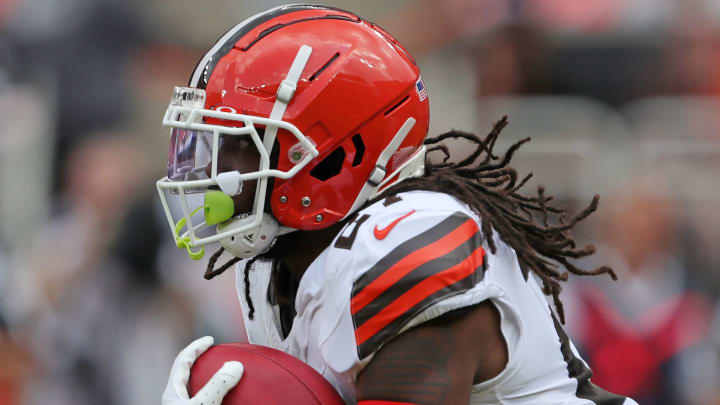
206,65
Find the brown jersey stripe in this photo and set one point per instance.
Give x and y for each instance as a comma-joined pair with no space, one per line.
417,275
436,241
408,263
388,322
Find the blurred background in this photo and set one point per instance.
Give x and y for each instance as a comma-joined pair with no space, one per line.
620,97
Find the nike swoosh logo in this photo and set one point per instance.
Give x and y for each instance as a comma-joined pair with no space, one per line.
380,234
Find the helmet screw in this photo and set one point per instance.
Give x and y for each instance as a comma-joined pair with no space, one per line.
305,201
318,218
283,199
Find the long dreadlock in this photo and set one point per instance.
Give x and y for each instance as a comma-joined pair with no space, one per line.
490,188
211,272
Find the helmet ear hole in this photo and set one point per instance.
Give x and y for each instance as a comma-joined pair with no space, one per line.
330,166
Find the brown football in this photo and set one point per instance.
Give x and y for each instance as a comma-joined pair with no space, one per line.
271,377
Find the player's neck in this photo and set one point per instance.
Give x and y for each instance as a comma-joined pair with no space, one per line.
299,249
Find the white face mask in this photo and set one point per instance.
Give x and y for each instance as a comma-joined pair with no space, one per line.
193,168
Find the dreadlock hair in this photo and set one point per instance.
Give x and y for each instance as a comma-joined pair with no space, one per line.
211,272
490,188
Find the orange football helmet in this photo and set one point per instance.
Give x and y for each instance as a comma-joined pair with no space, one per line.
334,105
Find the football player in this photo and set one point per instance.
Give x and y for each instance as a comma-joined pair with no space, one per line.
399,280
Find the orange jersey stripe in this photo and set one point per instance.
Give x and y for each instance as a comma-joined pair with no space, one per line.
411,262
418,293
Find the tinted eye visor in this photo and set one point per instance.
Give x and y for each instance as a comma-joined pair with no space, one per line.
189,154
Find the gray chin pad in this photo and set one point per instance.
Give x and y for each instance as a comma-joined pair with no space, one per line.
251,242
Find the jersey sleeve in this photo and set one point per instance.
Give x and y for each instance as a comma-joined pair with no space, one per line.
409,264
445,260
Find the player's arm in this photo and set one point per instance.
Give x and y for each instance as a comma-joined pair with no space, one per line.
437,362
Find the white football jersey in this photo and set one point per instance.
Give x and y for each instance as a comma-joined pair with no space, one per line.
403,261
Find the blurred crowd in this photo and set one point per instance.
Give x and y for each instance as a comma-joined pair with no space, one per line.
621,98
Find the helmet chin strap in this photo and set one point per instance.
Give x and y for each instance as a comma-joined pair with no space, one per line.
379,178
259,239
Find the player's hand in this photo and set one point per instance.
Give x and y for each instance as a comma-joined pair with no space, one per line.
213,392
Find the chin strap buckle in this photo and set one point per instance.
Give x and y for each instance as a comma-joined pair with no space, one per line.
377,175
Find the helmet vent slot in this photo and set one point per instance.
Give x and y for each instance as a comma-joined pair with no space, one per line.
330,166
396,106
359,149
325,66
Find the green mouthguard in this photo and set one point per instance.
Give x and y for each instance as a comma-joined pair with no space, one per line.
219,207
